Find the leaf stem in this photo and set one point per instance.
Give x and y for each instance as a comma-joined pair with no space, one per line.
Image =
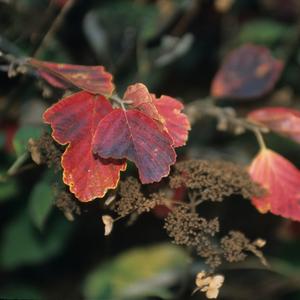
118,100
260,139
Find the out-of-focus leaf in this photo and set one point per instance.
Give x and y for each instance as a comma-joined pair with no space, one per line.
137,273
41,201
93,79
264,32
282,120
22,136
248,72
20,291
22,244
281,179
127,14
74,121
174,48
8,189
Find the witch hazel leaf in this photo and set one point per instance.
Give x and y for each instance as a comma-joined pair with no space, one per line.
140,99
135,136
282,120
93,79
281,179
176,123
74,120
248,72
166,111
55,81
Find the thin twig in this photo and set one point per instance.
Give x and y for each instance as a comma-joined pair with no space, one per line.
198,108
54,27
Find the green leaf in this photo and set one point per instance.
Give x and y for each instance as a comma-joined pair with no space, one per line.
41,202
20,291
265,32
8,190
22,136
137,273
22,244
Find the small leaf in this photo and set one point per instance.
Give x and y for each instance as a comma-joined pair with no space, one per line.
133,135
282,120
142,100
74,120
176,122
281,179
93,79
41,201
137,274
248,72
265,32
22,136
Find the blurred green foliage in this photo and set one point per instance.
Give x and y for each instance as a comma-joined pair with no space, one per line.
137,273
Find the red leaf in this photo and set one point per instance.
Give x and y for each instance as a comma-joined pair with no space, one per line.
248,72
54,81
282,120
142,100
74,120
165,110
176,123
133,135
281,179
93,79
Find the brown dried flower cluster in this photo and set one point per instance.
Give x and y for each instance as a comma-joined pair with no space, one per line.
132,199
187,228
214,180
50,152
66,202
235,245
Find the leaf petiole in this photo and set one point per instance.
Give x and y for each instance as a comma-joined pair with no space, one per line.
260,139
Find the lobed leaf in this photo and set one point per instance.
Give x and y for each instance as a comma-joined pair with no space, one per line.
142,100
281,179
166,111
282,120
135,136
74,120
93,79
176,123
248,72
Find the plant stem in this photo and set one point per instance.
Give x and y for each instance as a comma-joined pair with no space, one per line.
260,139
54,27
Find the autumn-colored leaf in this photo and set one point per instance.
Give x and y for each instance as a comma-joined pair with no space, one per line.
93,79
143,101
281,179
74,120
176,123
282,120
248,72
165,110
133,135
